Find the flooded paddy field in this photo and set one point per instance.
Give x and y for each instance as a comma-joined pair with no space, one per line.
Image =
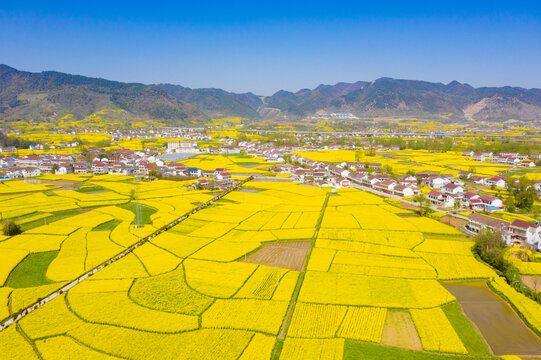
499,324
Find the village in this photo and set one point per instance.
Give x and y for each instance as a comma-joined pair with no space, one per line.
444,192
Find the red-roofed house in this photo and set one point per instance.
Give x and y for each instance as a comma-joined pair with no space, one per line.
452,189
403,190
440,199
385,186
496,181
526,231
489,200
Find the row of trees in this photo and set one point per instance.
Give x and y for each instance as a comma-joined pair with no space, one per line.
7,141
494,144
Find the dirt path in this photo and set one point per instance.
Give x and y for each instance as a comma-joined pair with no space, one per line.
501,327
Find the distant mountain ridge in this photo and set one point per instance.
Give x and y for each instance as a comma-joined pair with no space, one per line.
392,97
47,95
25,95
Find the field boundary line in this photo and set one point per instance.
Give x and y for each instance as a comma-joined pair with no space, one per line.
14,318
293,302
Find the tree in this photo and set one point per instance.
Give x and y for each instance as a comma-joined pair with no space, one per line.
472,169
154,174
490,247
510,203
388,169
523,192
359,155
11,228
424,204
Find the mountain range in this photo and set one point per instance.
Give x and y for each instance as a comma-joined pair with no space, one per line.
49,95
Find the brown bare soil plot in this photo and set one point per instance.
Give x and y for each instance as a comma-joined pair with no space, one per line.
66,184
400,331
453,221
533,282
407,206
286,255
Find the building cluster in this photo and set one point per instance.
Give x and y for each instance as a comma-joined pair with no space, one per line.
516,233
505,158
182,147
446,191
120,161
335,116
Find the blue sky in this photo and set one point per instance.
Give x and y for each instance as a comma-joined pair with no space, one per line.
264,46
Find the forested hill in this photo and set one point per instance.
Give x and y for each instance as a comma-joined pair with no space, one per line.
50,95
392,97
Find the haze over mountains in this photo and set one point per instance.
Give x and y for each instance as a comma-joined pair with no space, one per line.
50,95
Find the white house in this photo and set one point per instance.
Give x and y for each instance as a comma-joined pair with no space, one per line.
497,181
479,180
478,157
440,199
453,189
403,191
64,169
100,168
489,200
526,231
437,182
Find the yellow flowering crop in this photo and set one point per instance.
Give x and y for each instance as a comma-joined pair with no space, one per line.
250,314
316,320
14,346
70,261
69,348
312,349
401,239
170,293
286,286
180,245
321,259
436,332
446,247
99,248
217,279
351,289
363,247
262,284
50,320
33,242
260,347
128,267
156,260
116,308
363,323
427,225
9,258
450,266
